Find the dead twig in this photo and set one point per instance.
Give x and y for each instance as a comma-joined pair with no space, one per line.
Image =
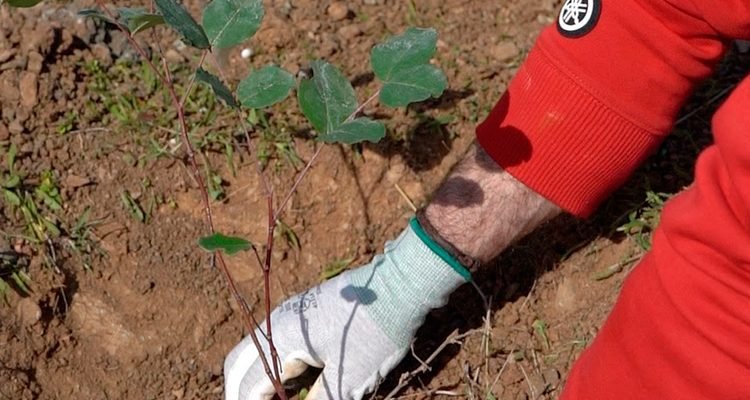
405,379
406,197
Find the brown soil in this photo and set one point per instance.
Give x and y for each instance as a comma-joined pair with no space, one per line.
151,319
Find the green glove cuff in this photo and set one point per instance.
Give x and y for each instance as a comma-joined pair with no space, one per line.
441,252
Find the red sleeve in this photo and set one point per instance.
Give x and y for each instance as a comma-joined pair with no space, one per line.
681,327
590,103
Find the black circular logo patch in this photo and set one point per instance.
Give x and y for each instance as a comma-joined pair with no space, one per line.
578,17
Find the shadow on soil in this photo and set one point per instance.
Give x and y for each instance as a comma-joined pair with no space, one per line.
429,139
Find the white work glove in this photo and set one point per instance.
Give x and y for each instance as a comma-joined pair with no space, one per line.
356,327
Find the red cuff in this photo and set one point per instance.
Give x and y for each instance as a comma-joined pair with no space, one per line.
559,140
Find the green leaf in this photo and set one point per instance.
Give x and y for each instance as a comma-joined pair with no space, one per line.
414,47
413,85
176,16
359,130
132,206
403,64
12,198
23,3
4,289
327,99
22,281
140,23
51,201
265,87
335,268
143,22
230,22
10,157
138,19
220,90
94,13
50,227
229,244
12,182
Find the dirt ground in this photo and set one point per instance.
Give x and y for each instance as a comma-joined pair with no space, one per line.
142,314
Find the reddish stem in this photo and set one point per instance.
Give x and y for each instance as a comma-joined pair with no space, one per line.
266,264
250,323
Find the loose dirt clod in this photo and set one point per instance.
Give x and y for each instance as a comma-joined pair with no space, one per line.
338,10
28,88
29,312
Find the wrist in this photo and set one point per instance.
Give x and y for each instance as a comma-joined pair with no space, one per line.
481,209
461,263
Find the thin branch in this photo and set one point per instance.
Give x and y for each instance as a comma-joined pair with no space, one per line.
406,197
189,89
710,101
166,80
266,263
299,179
403,381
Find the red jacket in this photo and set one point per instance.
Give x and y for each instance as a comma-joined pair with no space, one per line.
596,96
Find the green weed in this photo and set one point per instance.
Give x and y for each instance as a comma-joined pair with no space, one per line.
37,202
68,122
12,275
289,235
335,268
80,239
275,143
132,206
642,221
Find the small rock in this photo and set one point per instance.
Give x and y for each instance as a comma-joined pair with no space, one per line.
4,133
112,238
15,128
510,317
8,91
103,54
35,63
73,181
504,51
338,10
40,39
6,55
28,312
349,32
511,376
396,170
328,45
538,384
27,85
178,393
22,115
565,296
173,56
552,378
26,148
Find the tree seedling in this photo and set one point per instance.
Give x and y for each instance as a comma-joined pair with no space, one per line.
401,64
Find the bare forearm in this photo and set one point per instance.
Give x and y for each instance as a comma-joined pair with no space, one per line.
481,209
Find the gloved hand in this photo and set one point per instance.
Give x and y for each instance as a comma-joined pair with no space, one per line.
356,327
